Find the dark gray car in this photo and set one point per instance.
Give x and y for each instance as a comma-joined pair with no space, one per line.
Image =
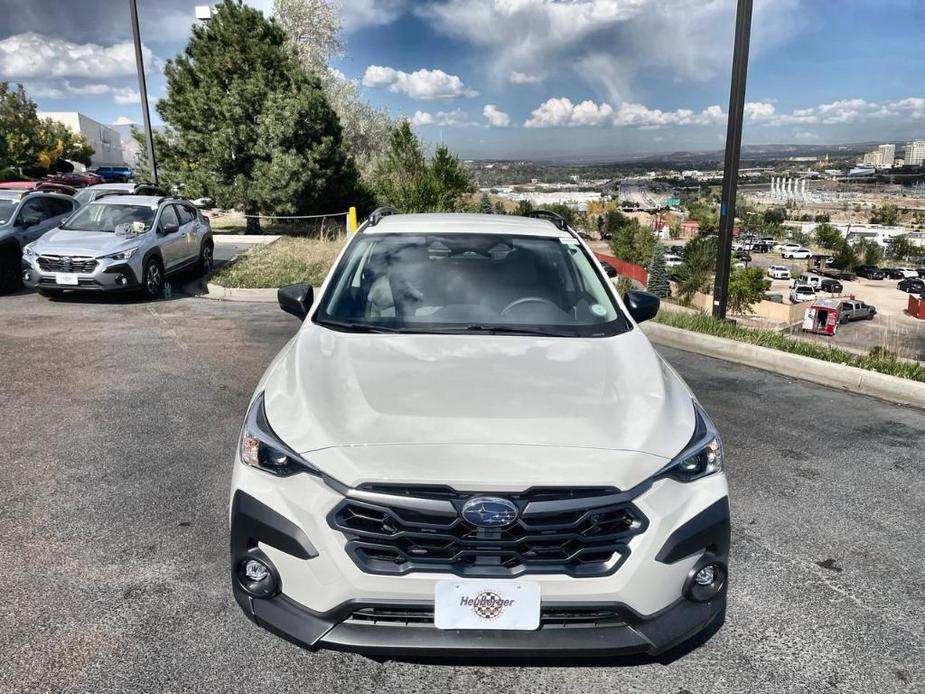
24,217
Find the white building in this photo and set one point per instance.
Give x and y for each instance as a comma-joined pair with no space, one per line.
915,153
887,155
106,142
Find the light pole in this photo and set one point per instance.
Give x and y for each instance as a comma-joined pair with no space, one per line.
733,148
143,88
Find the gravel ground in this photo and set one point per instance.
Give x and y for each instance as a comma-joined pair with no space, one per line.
119,422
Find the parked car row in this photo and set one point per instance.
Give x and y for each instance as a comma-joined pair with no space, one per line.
123,241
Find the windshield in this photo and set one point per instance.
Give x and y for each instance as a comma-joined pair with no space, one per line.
100,216
467,283
7,208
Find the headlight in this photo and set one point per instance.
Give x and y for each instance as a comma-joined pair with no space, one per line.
702,456
122,255
29,252
261,448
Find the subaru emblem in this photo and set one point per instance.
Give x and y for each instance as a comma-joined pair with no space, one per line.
489,512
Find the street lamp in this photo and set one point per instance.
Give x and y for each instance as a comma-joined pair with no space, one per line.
143,88
733,148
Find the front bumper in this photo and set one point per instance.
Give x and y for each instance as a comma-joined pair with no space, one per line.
106,277
327,601
341,629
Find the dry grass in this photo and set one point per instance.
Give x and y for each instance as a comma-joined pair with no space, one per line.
286,261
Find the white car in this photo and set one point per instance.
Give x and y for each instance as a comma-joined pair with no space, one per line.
778,272
468,445
802,292
674,260
798,252
907,272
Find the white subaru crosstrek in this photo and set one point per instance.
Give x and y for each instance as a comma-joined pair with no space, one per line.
470,447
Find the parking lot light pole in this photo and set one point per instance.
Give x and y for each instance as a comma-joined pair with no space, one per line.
143,88
733,148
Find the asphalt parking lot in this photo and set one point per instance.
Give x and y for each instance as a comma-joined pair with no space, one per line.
120,419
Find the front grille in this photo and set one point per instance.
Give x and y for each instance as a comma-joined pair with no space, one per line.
568,538
67,263
550,617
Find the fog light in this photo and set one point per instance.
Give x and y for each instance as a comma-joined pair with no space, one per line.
257,577
122,279
706,575
257,571
705,582
26,276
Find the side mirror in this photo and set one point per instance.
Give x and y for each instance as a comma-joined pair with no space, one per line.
295,299
169,228
641,305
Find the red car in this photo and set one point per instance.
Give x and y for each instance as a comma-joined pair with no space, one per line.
30,186
76,180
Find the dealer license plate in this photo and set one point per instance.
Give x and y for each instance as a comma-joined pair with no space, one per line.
487,605
68,278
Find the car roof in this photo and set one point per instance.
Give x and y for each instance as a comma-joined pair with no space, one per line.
459,223
149,200
111,186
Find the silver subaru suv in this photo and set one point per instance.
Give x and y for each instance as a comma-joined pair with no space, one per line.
124,242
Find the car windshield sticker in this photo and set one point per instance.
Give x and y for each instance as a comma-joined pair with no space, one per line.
598,310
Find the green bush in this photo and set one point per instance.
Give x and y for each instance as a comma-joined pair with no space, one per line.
878,359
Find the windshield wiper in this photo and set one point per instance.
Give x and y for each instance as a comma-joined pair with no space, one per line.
355,327
514,330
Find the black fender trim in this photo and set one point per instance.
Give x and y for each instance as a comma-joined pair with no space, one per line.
709,529
253,521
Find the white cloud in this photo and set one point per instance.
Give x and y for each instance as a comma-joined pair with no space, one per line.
496,118
608,42
756,111
523,78
420,84
123,120
32,55
126,95
454,118
562,112
805,136
357,14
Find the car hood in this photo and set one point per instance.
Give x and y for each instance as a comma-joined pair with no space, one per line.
478,410
96,243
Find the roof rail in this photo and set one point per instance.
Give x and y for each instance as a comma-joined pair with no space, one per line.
557,220
376,216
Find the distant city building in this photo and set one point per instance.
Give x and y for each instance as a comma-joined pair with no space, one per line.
881,158
887,155
915,153
689,229
106,142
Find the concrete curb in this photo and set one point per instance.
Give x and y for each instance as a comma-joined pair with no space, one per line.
850,378
219,293
231,239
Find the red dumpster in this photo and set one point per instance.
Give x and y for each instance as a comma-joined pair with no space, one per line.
916,306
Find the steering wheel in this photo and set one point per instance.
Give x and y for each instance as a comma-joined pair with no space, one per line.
528,300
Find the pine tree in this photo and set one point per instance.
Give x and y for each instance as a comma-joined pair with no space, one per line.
406,180
485,205
257,127
658,274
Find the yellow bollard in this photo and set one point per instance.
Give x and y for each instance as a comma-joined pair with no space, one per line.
351,221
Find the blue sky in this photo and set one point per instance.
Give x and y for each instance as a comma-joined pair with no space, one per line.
535,78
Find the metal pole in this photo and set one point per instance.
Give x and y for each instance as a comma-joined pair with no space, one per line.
733,148
143,88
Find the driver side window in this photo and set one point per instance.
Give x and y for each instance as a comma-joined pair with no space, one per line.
168,219
31,213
